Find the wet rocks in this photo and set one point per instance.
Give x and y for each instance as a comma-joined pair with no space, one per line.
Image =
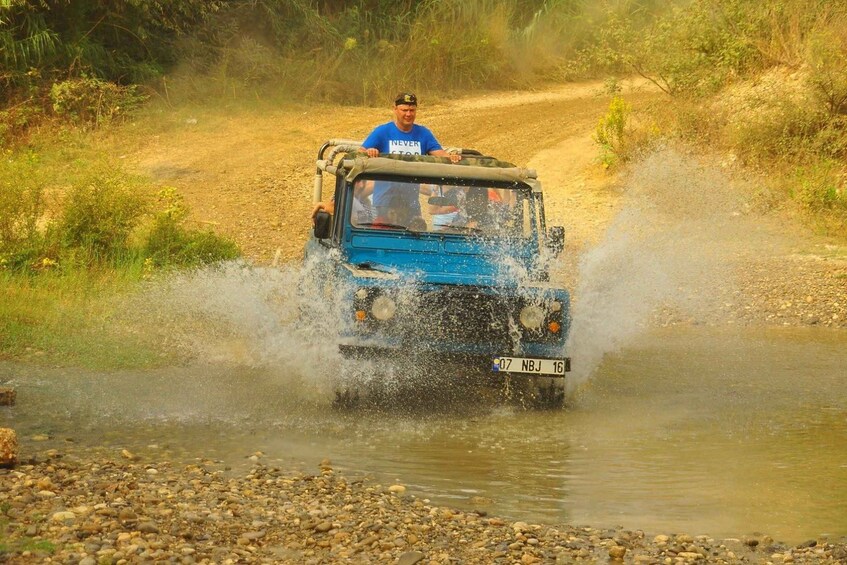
617,552
8,447
7,396
8,438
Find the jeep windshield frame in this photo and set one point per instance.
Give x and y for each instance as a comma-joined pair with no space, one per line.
348,165
451,206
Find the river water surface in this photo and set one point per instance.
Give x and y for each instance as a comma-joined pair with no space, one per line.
706,431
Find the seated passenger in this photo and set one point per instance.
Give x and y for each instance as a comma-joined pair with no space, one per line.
446,213
476,209
396,212
384,193
362,212
373,196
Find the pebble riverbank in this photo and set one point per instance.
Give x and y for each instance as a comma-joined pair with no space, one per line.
97,507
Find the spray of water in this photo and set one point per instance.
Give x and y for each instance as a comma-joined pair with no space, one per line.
247,316
282,323
669,252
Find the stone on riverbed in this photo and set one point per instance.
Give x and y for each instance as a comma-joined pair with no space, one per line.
617,552
8,447
7,396
410,558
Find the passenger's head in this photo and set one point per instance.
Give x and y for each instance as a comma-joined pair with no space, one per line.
398,210
476,202
405,110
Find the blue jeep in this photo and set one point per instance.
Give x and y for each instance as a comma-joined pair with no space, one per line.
444,265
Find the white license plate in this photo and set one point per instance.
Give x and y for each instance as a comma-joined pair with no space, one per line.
530,365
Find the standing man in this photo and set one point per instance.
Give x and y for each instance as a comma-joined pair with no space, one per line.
402,135
399,136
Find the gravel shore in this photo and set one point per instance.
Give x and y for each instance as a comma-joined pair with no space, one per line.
97,507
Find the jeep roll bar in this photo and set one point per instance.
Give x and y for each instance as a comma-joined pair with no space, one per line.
340,145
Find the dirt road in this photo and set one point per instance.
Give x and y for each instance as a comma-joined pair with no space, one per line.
249,175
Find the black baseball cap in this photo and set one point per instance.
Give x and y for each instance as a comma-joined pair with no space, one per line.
406,98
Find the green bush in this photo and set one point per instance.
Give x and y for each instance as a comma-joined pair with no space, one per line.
831,140
98,217
777,130
101,221
698,48
60,278
22,209
170,243
16,120
827,58
821,187
21,200
91,102
610,133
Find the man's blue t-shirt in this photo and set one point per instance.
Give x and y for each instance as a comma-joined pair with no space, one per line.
388,138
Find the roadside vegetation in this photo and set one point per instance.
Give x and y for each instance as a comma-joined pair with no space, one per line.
75,232
762,82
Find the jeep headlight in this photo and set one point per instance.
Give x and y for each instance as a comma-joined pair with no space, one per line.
383,308
532,317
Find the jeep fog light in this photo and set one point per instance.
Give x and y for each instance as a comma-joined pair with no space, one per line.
532,317
383,308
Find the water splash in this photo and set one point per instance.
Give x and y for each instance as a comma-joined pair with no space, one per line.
247,316
670,250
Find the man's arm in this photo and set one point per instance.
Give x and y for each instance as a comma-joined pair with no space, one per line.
434,148
373,141
328,207
454,157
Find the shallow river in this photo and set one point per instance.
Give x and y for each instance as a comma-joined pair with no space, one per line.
697,430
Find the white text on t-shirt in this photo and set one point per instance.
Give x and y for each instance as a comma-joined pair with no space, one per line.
404,147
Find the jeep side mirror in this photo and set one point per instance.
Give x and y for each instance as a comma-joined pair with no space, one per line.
556,239
323,224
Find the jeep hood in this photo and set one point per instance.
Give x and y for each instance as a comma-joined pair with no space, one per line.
438,261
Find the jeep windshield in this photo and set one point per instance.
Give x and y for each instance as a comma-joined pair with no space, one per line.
425,206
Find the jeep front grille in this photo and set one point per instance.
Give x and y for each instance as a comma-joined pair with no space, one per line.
465,316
